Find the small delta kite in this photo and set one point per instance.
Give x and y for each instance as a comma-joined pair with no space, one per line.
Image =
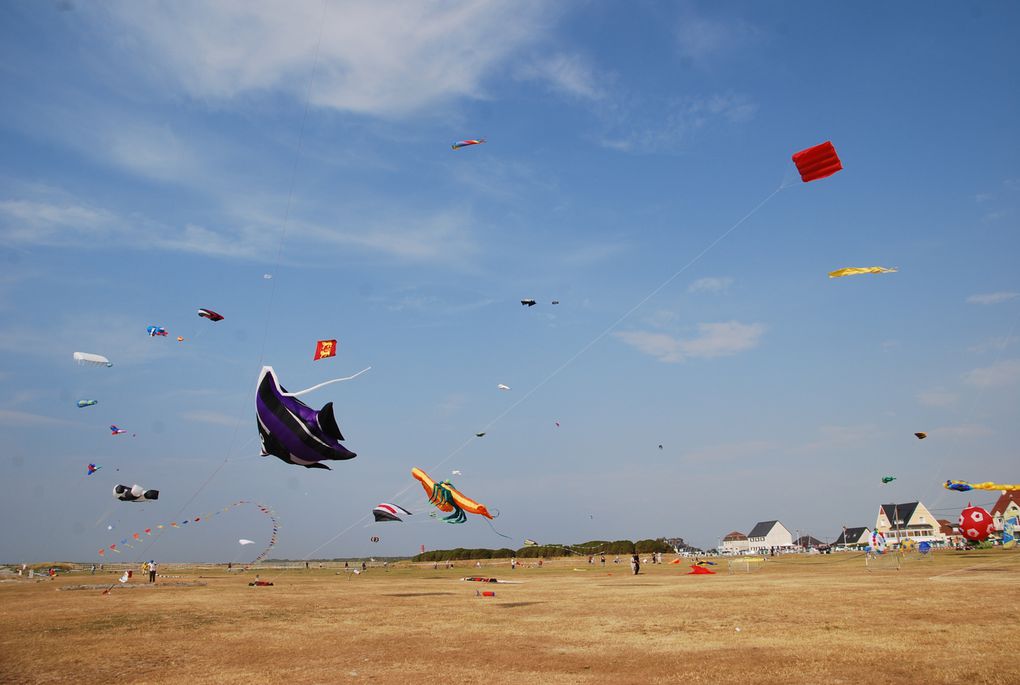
92,469
888,479
854,270
209,314
153,331
920,436
87,403
817,162
467,143
116,431
503,387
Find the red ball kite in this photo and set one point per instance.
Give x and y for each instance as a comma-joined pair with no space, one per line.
817,162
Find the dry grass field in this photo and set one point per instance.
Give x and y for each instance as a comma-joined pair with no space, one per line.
821,619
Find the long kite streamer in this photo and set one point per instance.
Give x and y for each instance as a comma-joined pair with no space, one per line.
964,486
137,537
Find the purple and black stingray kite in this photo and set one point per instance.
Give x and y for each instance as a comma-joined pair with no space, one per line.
294,432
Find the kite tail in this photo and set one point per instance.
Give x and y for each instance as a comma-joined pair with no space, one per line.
320,385
496,531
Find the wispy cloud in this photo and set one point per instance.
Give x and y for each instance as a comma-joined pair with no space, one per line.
701,38
713,340
384,59
993,298
730,451
23,418
53,218
213,417
992,344
967,430
938,397
997,375
710,284
631,127
571,75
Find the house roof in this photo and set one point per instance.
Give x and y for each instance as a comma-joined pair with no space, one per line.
808,541
734,535
853,535
761,529
902,512
1003,502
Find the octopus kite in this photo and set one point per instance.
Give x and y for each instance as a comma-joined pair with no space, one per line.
447,498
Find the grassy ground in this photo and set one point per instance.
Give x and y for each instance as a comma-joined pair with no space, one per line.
822,619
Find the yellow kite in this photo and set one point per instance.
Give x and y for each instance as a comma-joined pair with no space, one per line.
854,270
964,486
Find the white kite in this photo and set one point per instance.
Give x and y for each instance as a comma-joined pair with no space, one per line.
87,358
242,541
503,387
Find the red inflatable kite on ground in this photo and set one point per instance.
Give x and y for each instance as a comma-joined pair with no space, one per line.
976,524
697,570
817,162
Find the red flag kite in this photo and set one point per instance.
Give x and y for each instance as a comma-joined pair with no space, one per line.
817,162
324,348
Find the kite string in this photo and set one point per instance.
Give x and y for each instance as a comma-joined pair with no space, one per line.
279,251
973,409
320,385
576,355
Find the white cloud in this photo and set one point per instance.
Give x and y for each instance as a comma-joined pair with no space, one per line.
993,298
387,59
710,284
713,340
1002,373
569,74
936,398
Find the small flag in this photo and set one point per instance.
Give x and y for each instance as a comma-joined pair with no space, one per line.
324,348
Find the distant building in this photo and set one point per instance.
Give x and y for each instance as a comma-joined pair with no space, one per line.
909,520
767,535
734,543
853,538
951,532
809,542
1007,506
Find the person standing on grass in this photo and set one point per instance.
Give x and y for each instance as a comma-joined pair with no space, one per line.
635,564
152,571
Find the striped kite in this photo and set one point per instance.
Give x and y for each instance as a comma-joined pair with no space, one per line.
385,511
817,162
467,143
87,403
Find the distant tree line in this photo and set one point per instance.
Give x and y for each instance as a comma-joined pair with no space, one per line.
536,551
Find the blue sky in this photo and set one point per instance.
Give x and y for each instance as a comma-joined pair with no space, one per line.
161,158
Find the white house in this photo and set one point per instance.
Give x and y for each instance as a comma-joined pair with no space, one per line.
1007,506
734,543
768,534
853,538
910,520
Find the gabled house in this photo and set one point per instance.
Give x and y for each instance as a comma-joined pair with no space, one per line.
734,543
854,537
909,520
1007,506
808,542
767,535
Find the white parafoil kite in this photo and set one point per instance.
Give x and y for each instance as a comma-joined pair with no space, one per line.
503,387
89,359
242,541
